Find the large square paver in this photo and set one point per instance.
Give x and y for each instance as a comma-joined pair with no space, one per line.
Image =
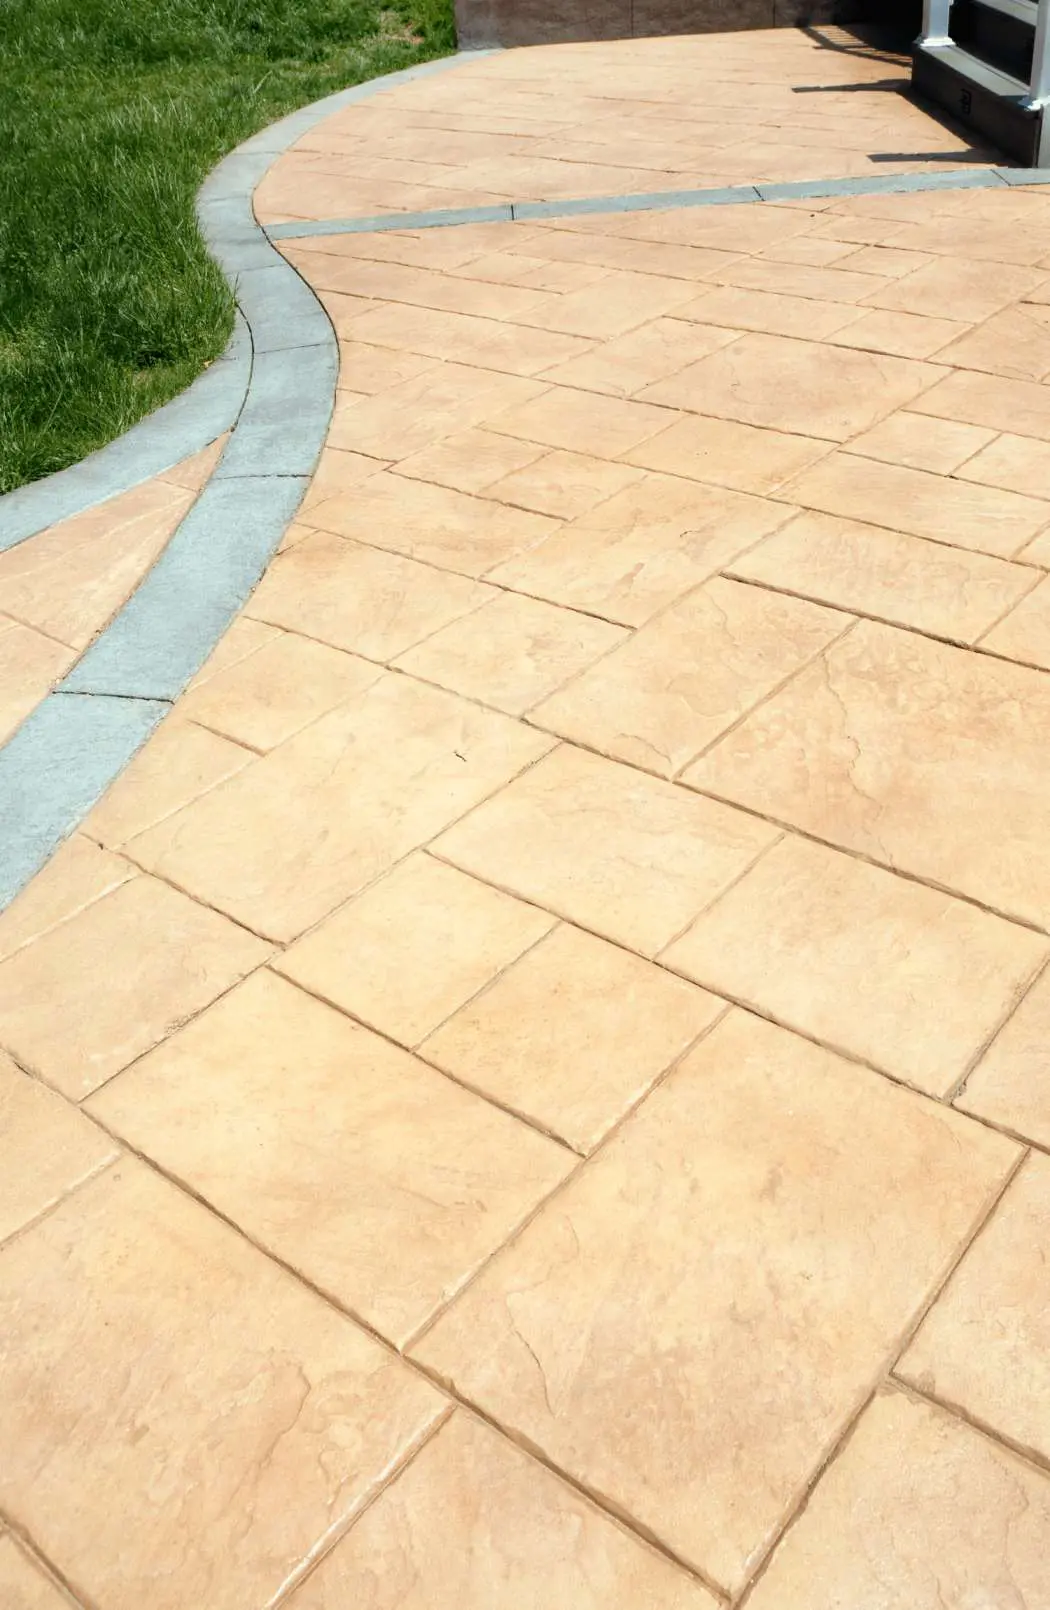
928,758
690,1325
625,854
278,690
231,1418
473,1524
377,1177
918,1512
573,1034
904,976
286,841
985,1345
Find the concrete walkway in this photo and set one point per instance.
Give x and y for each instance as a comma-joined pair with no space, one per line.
532,1089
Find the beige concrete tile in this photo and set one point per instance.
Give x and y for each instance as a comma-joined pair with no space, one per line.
583,422
84,1000
770,311
1038,551
688,675
1017,463
573,1035
804,387
537,272
643,548
314,821
431,523
23,1585
30,665
985,519
178,764
77,874
772,1217
1024,634
407,417
865,748
46,1148
918,1511
623,366
889,262
972,290
243,638
947,591
512,651
563,485
469,461
1011,343
337,472
809,249
1010,1085
194,471
413,284
607,847
1001,405
803,280
879,966
377,604
286,684
380,1180
462,338
232,1418
414,947
922,442
727,453
371,369
985,1344
904,335
474,1522
623,303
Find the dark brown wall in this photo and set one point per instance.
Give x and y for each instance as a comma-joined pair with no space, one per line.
542,22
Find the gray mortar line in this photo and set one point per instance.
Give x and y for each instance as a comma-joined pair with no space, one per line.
276,387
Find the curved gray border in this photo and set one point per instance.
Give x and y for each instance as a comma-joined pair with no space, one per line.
284,359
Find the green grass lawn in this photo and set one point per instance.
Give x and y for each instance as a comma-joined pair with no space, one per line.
111,114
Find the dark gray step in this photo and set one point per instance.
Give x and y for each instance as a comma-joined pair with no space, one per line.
1001,32
981,97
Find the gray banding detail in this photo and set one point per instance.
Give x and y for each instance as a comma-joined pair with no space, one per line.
276,386
666,200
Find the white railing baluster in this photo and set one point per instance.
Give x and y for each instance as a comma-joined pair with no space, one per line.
935,15
1039,89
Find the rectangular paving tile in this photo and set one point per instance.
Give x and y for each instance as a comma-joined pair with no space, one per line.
407,417
643,548
958,286
875,748
1012,343
375,603
918,1511
470,460
23,1584
383,1182
727,453
563,484
77,874
770,1218
1018,463
624,302
278,690
1021,406
179,763
1024,634
1010,1084
462,338
877,965
983,518
308,825
583,422
433,524
275,1420
946,591
573,1034
803,387
685,677
922,442
606,846
127,969
414,947
770,311
985,1344
512,651
46,1148
30,665
904,335
624,365
472,1517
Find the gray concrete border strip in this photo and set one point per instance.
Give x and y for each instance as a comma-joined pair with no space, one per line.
65,755
665,201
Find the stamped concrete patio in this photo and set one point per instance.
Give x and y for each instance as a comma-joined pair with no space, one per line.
533,1088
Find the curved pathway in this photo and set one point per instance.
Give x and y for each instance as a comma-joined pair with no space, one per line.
531,1089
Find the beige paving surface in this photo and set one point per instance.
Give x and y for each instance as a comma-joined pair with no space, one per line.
533,1088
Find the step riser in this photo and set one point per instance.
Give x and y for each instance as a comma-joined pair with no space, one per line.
1003,122
995,36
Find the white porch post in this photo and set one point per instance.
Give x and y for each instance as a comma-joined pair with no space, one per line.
935,14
